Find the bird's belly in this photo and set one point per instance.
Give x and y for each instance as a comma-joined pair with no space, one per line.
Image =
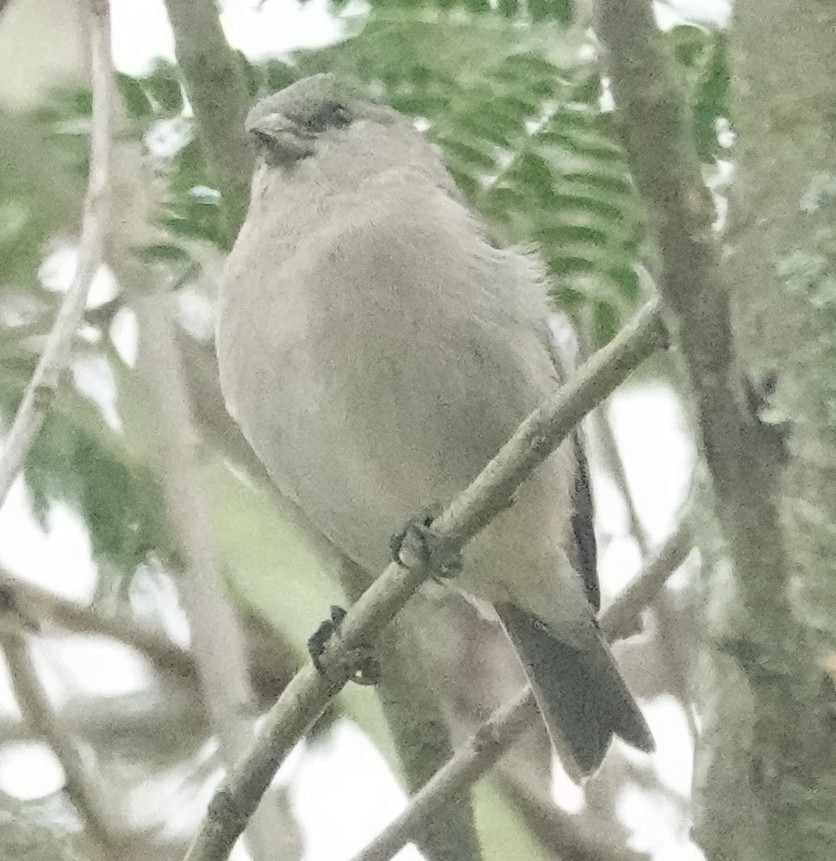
367,434
365,443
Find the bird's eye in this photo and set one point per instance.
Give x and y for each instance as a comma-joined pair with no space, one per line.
328,117
340,115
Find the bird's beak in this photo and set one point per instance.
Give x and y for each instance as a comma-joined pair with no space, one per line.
282,136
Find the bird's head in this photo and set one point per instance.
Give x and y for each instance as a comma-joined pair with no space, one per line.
315,112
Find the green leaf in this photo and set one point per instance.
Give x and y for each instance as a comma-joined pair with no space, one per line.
134,96
467,155
164,253
712,98
564,234
163,86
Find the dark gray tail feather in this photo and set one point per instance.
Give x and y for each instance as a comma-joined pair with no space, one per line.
581,695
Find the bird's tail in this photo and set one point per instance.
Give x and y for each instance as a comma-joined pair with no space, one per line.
580,693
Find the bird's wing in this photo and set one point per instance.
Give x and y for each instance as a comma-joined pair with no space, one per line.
585,556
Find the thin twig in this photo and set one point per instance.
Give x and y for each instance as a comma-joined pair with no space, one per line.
507,723
39,605
43,386
586,837
80,784
618,620
218,640
615,466
671,652
465,767
310,691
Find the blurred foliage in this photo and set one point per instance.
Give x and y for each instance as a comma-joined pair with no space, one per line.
78,459
702,57
34,209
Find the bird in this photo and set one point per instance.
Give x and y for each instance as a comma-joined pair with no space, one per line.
377,346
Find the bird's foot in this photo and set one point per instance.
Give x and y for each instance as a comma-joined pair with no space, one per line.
356,665
419,544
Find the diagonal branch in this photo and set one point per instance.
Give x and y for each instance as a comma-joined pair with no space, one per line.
508,722
618,620
41,390
466,766
307,695
38,604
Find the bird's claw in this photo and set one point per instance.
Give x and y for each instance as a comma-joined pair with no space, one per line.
362,666
419,544
357,664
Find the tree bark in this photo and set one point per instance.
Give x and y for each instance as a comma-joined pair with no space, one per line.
766,776
754,326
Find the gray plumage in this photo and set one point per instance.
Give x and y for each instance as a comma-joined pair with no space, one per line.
377,349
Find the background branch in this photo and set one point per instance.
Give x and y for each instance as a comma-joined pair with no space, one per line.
770,749
742,454
80,783
271,660
307,695
218,641
217,90
618,621
415,715
43,386
39,605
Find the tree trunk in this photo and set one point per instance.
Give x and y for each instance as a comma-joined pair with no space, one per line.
766,774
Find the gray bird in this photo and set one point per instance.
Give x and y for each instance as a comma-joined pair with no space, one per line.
377,348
